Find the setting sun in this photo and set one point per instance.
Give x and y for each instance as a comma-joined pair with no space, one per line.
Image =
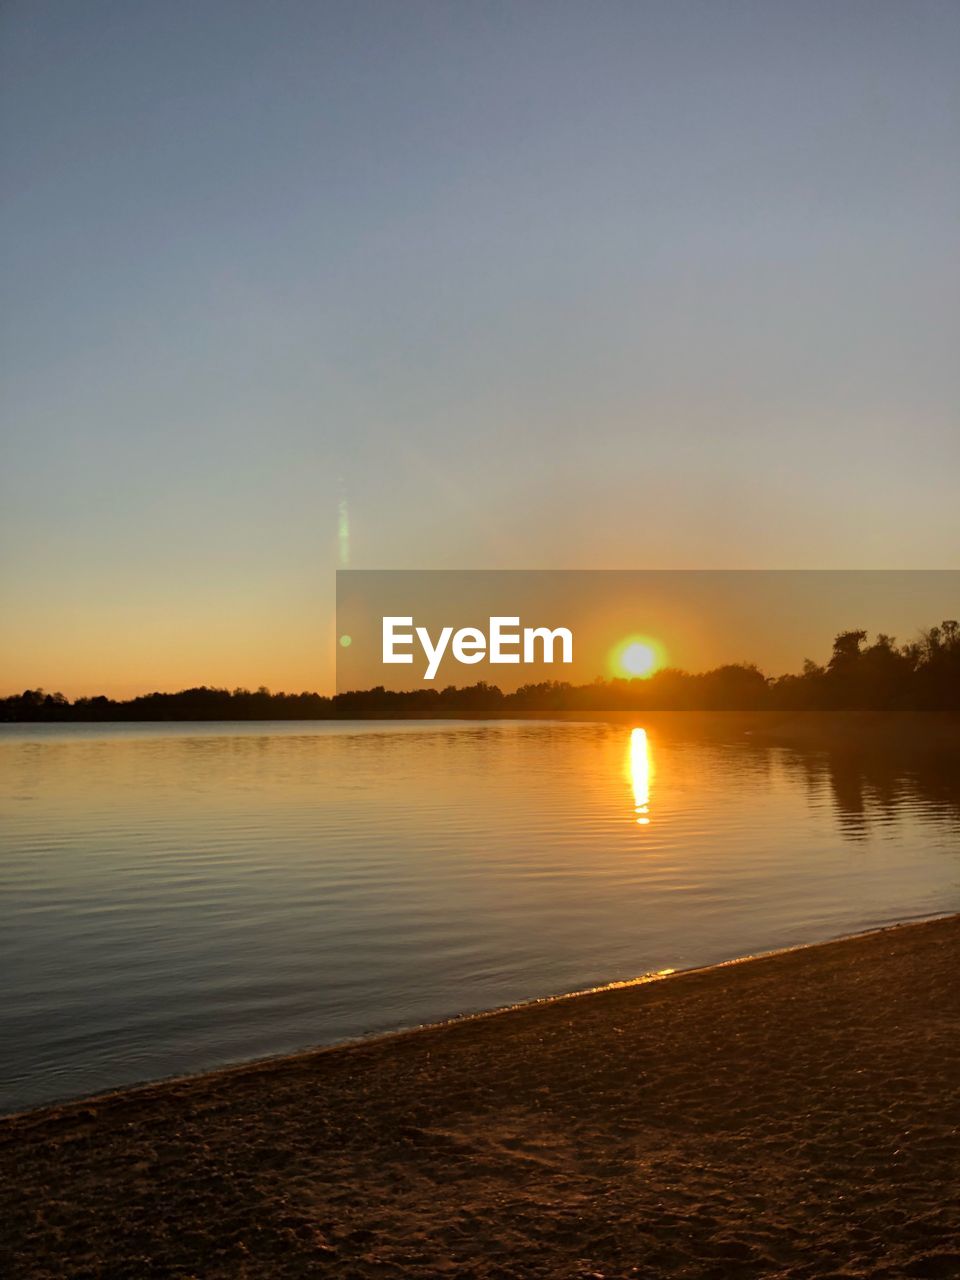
637,657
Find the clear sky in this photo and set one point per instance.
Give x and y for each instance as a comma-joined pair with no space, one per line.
529,285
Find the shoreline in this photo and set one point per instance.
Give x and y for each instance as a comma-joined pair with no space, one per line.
375,1038
793,1114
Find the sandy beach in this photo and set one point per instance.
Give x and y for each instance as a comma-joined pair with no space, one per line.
796,1115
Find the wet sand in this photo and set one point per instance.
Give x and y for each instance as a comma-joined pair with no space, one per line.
790,1116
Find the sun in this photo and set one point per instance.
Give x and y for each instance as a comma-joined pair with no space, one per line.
636,658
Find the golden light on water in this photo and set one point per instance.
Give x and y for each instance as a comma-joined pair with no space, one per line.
641,772
637,657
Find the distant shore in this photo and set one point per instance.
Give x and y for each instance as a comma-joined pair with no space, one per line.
799,727
795,1115
921,676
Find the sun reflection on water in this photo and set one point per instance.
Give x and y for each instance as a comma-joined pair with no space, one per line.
641,773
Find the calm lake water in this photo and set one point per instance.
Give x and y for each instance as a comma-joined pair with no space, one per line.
175,897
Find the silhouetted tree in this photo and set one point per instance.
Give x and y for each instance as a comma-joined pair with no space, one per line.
922,675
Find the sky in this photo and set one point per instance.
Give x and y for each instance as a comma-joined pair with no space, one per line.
451,285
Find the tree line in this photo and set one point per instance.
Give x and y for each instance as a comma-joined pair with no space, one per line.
921,676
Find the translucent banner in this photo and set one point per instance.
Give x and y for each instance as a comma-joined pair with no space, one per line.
673,639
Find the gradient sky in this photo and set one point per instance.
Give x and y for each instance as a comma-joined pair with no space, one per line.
521,284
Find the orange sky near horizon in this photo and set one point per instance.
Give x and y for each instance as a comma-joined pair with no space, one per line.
134,647
700,620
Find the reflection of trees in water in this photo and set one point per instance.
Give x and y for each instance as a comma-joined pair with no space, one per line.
872,786
869,773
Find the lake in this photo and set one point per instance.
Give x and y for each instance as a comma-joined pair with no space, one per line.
180,896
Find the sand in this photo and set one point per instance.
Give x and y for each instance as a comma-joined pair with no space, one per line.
794,1115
